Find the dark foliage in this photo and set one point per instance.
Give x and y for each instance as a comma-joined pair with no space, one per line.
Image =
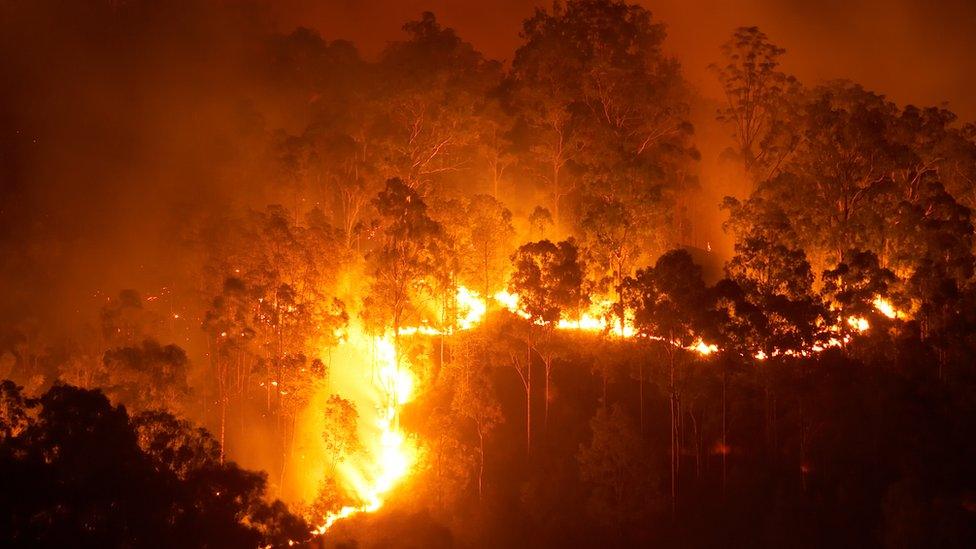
78,472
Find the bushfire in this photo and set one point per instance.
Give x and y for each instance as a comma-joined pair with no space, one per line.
532,273
390,454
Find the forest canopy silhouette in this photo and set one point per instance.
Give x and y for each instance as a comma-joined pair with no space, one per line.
263,288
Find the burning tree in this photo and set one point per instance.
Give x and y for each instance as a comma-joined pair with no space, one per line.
482,239
611,247
272,316
776,278
854,288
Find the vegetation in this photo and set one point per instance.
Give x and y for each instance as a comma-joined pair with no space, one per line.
443,301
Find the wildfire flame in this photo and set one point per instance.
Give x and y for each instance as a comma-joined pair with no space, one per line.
471,308
389,456
598,318
860,324
511,302
885,307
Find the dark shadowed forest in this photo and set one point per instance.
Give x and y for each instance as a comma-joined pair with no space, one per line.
263,288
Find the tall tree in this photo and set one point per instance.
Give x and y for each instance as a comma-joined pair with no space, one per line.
432,85
147,376
597,97
229,325
845,159
758,96
341,434
669,301
612,247
407,262
274,312
492,237
548,279
474,396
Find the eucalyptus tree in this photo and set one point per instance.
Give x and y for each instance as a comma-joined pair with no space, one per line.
601,109
407,262
758,98
432,88
669,301
548,279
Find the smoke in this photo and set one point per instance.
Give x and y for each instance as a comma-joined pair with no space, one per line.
915,51
120,119
123,121
114,116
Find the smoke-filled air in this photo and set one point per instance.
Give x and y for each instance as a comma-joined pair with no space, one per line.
584,273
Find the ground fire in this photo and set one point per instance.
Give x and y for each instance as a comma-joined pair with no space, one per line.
573,273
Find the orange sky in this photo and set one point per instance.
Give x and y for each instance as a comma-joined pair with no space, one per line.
913,50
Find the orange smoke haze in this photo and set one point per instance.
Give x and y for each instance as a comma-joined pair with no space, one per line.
913,51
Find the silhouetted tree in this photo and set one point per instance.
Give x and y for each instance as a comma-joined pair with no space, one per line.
147,376
593,89
341,433
432,85
668,301
758,97
82,473
548,280
474,397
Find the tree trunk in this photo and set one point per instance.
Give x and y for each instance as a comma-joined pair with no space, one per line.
222,398
604,388
767,413
481,462
673,456
674,431
223,426
548,363
640,382
528,397
697,434
555,195
244,392
725,442
487,282
803,450
396,370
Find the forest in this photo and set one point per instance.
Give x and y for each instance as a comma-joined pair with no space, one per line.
263,289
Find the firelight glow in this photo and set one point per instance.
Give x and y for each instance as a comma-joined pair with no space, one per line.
389,456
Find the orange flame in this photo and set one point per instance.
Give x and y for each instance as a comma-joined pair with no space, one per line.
886,308
388,456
